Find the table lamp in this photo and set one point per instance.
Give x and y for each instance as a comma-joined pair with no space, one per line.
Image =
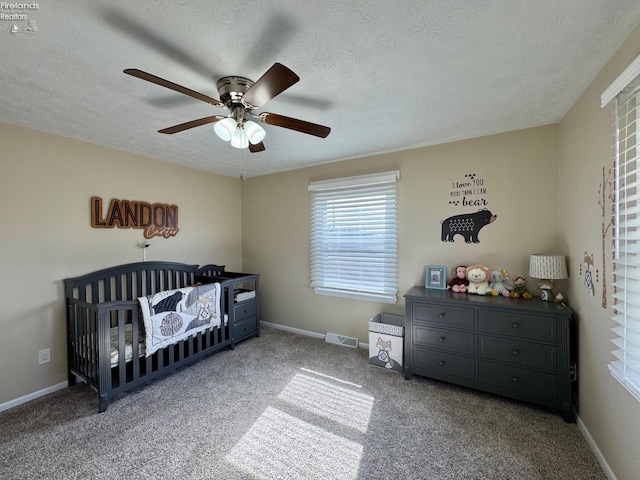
547,267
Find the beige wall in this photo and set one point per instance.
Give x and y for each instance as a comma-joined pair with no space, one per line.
520,174
608,411
45,236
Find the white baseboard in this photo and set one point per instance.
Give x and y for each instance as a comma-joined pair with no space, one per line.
33,396
299,331
596,451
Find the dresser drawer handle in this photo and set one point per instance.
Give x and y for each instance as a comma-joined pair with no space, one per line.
515,325
515,379
441,339
515,352
441,316
442,362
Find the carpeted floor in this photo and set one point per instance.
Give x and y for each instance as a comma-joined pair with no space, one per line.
286,406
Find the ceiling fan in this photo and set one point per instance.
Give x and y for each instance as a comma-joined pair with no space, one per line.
240,96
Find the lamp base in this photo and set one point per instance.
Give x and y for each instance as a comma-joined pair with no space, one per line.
546,290
547,295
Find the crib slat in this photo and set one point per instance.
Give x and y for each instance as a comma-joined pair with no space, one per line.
122,352
94,332
118,295
135,335
107,289
90,348
105,385
130,292
148,279
171,353
95,297
160,354
139,291
180,351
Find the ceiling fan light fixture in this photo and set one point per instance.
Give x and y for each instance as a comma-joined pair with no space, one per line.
255,133
239,139
225,128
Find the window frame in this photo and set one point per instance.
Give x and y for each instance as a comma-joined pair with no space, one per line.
331,247
625,90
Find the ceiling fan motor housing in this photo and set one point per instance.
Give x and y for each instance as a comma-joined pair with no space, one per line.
232,89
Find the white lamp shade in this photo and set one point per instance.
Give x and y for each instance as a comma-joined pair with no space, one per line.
239,139
225,128
548,266
255,133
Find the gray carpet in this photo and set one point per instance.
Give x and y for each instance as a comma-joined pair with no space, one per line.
286,406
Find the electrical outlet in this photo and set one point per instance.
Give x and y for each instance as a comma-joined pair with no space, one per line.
44,356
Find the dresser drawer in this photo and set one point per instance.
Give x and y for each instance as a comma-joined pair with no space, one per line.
425,361
461,342
454,317
244,310
515,351
538,385
531,327
247,326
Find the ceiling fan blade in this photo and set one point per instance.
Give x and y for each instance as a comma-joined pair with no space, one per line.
295,124
275,81
191,124
173,86
258,147
147,34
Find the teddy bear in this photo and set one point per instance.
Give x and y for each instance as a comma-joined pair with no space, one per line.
478,276
497,285
459,283
519,288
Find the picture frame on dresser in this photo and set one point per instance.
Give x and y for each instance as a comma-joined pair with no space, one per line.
435,276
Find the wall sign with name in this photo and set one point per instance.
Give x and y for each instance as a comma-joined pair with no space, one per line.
156,219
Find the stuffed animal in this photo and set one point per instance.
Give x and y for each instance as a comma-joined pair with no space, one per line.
459,283
497,285
478,276
519,288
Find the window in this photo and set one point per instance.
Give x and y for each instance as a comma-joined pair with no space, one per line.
625,366
354,241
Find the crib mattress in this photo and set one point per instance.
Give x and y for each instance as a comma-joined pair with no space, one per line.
128,348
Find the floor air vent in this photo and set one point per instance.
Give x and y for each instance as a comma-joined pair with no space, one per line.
341,340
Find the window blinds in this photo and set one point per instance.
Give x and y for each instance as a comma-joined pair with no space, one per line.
626,272
354,237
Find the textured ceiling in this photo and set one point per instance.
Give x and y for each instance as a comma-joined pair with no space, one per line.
385,75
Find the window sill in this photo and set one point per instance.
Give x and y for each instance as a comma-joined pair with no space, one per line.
371,297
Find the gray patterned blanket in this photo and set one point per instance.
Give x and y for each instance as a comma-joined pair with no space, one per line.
173,315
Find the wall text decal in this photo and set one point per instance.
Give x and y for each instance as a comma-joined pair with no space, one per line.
156,219
469,192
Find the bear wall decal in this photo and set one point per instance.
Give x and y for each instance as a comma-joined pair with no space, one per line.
468,225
